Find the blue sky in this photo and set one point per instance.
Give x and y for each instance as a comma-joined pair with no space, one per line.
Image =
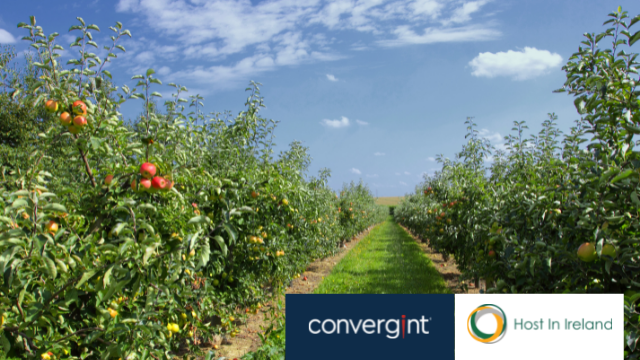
375,88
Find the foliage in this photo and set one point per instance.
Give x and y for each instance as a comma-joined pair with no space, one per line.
98,270
519,225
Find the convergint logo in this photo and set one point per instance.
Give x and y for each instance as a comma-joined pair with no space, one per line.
480,311
392,328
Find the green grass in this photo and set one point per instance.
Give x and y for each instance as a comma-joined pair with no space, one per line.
386,261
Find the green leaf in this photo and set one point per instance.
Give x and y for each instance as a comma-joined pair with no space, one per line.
157,94
147,207
106,281
6,345
62,267
205,254
200,219
221,243
635,37
56,207
150,72
147,253
93,27
622,176
51,266
231,231
86,276
137,77
193,239
19,203
20,193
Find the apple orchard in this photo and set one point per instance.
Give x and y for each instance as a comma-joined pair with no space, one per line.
140,239
552,213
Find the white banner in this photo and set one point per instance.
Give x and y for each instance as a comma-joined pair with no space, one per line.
539,326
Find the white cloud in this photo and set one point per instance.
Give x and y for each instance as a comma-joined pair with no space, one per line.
379,154
6,37
398,174
165,70
406,36
403,183
372,175
343,122
407,173
360,122
356,171
145,57
519,65
269,34
359,46
463,13
430,158
493,137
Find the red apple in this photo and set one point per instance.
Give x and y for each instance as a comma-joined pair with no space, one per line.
133,185
587,252
80,121
65,118
158,183
168,186
148,170
51,106
492,253
145,184
79,107
108,179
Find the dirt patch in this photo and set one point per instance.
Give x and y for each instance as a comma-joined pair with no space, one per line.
448,269
248,340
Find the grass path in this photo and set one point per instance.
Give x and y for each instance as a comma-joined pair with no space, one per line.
387,261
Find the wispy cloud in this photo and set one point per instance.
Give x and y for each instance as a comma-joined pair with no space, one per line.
360,122
430,158
403,183
519,65
6,37
343,122
356,171
372,175
405,35
463,13
262,36
493,137
407,173
379,154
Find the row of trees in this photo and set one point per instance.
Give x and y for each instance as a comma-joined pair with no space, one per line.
553,213
136,239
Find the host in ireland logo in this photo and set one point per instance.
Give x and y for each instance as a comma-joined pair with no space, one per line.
480,311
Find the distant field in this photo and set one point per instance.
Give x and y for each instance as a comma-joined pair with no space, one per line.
389,200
